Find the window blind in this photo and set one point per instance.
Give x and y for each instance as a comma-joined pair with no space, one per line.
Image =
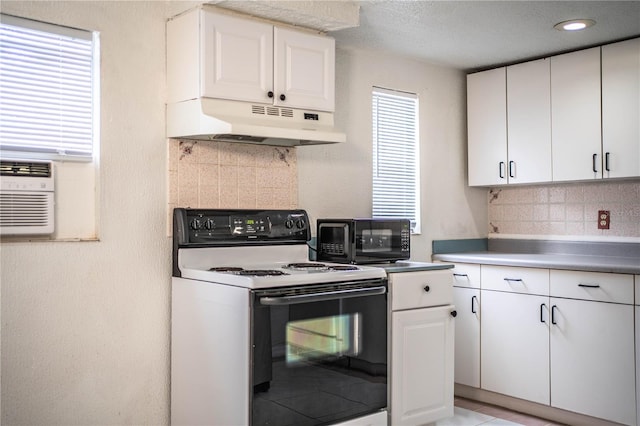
46,90
395,156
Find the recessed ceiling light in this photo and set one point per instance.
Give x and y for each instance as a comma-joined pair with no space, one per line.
574,24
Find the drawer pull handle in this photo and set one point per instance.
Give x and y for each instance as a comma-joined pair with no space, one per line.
553,315
519,280
589,285
473,306
427,288
454,314
461,275
541,317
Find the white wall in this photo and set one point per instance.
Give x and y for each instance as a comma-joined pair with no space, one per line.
335,180
85,325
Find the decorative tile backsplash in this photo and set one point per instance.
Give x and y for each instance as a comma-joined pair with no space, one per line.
566,209
204,174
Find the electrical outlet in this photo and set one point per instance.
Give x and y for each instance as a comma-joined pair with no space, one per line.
604,219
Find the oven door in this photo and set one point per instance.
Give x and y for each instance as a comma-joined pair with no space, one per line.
319,353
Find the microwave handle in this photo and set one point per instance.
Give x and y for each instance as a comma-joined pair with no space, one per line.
321,297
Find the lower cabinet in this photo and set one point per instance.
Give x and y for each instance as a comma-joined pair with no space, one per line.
571,347
422,347
466,298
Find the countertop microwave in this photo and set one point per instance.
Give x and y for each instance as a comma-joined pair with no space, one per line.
359,241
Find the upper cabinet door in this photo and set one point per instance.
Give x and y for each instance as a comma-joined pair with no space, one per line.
487,127
576,115
304,68
621,108
236,58
529,122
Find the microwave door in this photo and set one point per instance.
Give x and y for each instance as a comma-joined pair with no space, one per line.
334,242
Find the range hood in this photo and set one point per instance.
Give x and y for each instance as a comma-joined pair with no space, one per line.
237,121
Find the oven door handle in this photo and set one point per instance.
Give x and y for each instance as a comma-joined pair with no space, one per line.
321,297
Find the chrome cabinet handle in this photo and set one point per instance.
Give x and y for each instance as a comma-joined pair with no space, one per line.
473,309
501,169
553,315
595,169
512,165
541,306
606,162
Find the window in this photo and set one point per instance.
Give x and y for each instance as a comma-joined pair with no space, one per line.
48,90
396,181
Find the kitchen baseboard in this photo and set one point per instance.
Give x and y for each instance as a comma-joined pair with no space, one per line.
528,407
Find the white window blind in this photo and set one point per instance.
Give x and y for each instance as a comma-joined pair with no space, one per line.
47,93
395,156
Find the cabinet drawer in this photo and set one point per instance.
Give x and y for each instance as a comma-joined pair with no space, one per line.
411,290
466,275
602,287
515,280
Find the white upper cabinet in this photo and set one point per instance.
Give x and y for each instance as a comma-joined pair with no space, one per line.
237,58
529,122
621,108
304,70
576,115
487,127
217,55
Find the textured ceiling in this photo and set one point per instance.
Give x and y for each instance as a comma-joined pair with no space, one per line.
468,35
472,35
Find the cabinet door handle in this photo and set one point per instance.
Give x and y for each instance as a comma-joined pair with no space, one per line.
270,94
282,97
542,317
501,169
454,314
473,307
606,162
512,165
519,280
595,169
427,288
589,285
553,314
460,275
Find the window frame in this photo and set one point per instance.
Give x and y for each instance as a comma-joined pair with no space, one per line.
412,139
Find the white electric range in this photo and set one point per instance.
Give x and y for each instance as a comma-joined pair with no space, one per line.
261,335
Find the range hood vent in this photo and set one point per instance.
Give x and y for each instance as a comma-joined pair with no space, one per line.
236,121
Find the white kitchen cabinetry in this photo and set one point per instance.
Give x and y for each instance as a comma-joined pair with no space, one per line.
592,349
515,332
487,127
216,55
422,345
637,315
466,298
576,115
621,109
529,122
509,124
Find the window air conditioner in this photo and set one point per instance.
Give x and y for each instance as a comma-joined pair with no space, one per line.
26,197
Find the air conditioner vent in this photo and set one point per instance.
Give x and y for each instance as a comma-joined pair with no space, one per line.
26,197
22,168
273,111
286,112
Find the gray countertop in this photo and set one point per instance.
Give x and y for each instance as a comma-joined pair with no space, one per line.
408,266
593,263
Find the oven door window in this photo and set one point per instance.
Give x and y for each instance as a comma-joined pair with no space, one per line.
319,362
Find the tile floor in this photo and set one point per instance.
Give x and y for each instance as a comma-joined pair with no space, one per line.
473,413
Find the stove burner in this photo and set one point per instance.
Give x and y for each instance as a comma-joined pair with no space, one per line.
226,269
260,272
343,268
306,265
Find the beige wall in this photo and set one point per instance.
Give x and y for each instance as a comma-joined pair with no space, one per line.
335,180
85,325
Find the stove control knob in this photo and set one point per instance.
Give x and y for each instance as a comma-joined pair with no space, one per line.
289,223
196,224
209,224
300,223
